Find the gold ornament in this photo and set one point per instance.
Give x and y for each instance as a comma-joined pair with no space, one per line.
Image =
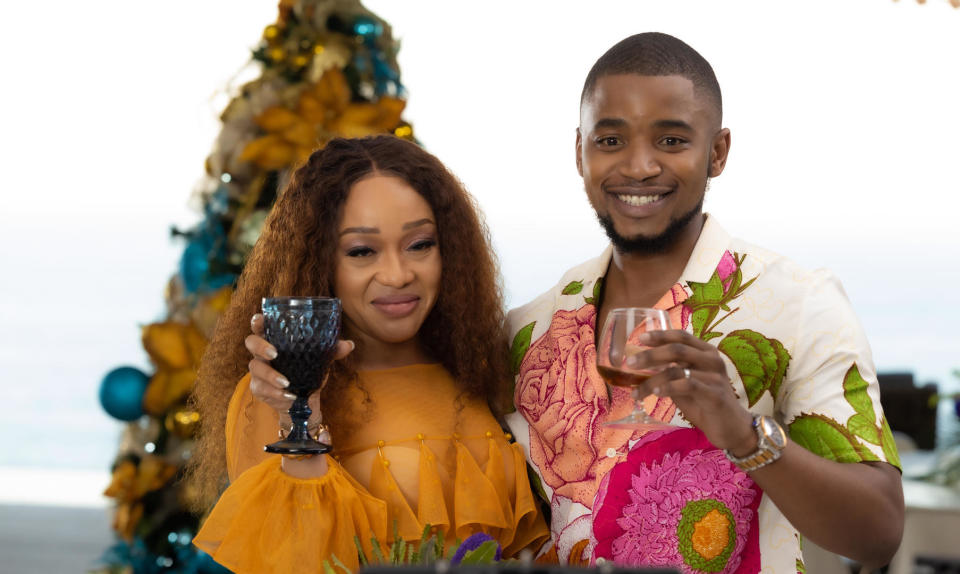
182,422
175,348
271,32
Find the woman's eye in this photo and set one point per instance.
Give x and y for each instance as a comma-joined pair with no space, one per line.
359,252
423,245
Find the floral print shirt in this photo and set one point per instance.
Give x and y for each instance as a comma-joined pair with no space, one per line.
793,349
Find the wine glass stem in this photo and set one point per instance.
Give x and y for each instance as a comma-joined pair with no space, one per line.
300,416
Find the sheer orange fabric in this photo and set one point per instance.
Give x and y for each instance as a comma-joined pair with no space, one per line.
426,456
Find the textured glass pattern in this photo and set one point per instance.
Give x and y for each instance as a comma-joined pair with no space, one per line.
304,332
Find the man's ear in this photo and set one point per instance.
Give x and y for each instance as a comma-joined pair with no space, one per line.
718,153
579,153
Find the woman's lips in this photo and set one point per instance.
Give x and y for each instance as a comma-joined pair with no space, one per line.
396,305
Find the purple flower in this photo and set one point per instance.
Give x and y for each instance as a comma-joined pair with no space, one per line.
473,542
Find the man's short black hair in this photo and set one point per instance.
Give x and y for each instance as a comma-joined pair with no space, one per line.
656,54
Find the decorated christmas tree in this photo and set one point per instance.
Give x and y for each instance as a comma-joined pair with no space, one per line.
326,68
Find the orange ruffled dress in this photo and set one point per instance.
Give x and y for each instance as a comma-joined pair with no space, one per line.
425,457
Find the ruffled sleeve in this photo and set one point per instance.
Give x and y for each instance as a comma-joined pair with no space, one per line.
250,425
269,521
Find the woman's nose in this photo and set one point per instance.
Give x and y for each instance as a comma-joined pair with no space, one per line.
394,271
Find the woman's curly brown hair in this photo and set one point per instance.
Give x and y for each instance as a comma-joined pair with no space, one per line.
295,255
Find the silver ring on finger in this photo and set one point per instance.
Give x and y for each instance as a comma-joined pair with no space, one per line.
686,373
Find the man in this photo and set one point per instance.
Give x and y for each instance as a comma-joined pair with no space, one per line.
761,350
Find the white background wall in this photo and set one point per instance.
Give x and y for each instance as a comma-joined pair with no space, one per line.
846,142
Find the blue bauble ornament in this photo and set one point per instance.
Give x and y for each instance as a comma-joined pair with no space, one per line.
121,393
206,564
367,27
194,265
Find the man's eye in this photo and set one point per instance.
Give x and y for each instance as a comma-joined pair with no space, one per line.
671,141
359,252
423,245
608,141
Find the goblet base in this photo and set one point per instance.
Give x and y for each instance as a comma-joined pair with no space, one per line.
308,446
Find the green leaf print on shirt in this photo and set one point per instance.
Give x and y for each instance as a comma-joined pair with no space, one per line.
521,342
708,299
572,288
864,422
888,444
761,362
826,437
597,285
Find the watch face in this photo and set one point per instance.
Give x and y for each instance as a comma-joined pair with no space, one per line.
773,432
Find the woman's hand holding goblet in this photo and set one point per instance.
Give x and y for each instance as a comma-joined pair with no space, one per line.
268,385
303,332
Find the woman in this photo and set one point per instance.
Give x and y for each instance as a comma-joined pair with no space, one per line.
382,225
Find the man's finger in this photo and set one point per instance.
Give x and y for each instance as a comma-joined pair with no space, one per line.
657,338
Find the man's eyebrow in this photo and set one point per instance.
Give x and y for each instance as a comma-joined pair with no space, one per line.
417,223
609,123
673,125
360,230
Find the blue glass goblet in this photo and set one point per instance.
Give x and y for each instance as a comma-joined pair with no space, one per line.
304,330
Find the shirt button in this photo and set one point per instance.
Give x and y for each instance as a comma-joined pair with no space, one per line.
611,452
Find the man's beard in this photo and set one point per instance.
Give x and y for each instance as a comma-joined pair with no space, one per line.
645,244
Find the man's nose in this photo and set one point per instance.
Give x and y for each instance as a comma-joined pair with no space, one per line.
642,162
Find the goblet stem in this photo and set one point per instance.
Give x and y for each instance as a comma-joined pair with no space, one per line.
299,412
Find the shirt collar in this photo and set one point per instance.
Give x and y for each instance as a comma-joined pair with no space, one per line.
707,253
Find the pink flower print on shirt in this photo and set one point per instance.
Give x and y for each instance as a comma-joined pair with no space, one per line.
677,501
563,398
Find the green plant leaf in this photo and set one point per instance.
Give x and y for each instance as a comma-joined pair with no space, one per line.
363,555
483,554
428,551
888,444
377,551
327,568
826,437
761,362
521,343
573,288
339,564
710,335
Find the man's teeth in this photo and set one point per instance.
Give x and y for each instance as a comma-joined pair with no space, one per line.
638,199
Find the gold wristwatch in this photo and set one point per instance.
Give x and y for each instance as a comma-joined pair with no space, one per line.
771,440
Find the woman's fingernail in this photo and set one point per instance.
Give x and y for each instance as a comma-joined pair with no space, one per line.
352,345
271,353
283,381
656,391
290,396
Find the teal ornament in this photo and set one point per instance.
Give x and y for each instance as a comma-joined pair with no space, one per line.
367,27
121,393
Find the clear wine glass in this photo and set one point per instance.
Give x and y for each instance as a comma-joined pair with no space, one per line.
619,340
304,330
